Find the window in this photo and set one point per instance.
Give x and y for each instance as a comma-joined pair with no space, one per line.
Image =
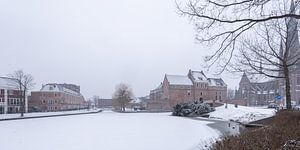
189,93
44,101
201,93
298,80
10,92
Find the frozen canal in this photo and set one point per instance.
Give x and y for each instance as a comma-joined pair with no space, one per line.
106,131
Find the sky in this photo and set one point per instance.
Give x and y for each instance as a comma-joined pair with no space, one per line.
98,44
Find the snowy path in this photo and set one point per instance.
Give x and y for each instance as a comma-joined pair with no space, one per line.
40,114
106,131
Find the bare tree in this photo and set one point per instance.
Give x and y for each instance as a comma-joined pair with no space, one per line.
224,22
23,82
122,96
227,23
230,93
273,53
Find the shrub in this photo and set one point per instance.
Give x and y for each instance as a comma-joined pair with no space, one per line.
285,127
191,109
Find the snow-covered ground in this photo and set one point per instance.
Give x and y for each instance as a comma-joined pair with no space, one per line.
107,131
241,113
6,116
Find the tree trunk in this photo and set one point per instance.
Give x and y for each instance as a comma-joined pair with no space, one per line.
287,88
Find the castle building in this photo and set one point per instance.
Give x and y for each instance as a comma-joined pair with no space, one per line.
194,86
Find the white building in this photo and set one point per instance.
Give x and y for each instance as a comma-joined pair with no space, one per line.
10,98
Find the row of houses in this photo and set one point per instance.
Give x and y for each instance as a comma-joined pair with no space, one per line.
57,97
51,97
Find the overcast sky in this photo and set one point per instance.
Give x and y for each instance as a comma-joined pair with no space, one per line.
98,43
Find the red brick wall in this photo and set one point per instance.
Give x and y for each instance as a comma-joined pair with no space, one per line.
54,101
183,93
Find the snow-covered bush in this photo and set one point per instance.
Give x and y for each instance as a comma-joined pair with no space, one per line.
191,109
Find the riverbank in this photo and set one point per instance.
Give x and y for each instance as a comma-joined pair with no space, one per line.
7,117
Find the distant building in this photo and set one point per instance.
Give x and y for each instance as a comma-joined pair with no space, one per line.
103,103
261,93
10,97
253,93
194,86
57,97
137,103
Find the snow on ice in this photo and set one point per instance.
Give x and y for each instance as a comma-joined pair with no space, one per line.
107,131
241,114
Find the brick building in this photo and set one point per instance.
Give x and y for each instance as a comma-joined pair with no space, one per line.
10,97
185,88
253,93
57,97
261,93
103,103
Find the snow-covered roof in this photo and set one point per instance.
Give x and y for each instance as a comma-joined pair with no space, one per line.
216,82
179,80
58,88
198,76
259,79
136,101
7,83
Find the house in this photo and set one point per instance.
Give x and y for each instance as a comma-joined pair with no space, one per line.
57,97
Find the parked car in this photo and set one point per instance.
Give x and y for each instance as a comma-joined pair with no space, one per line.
297,107
273,105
